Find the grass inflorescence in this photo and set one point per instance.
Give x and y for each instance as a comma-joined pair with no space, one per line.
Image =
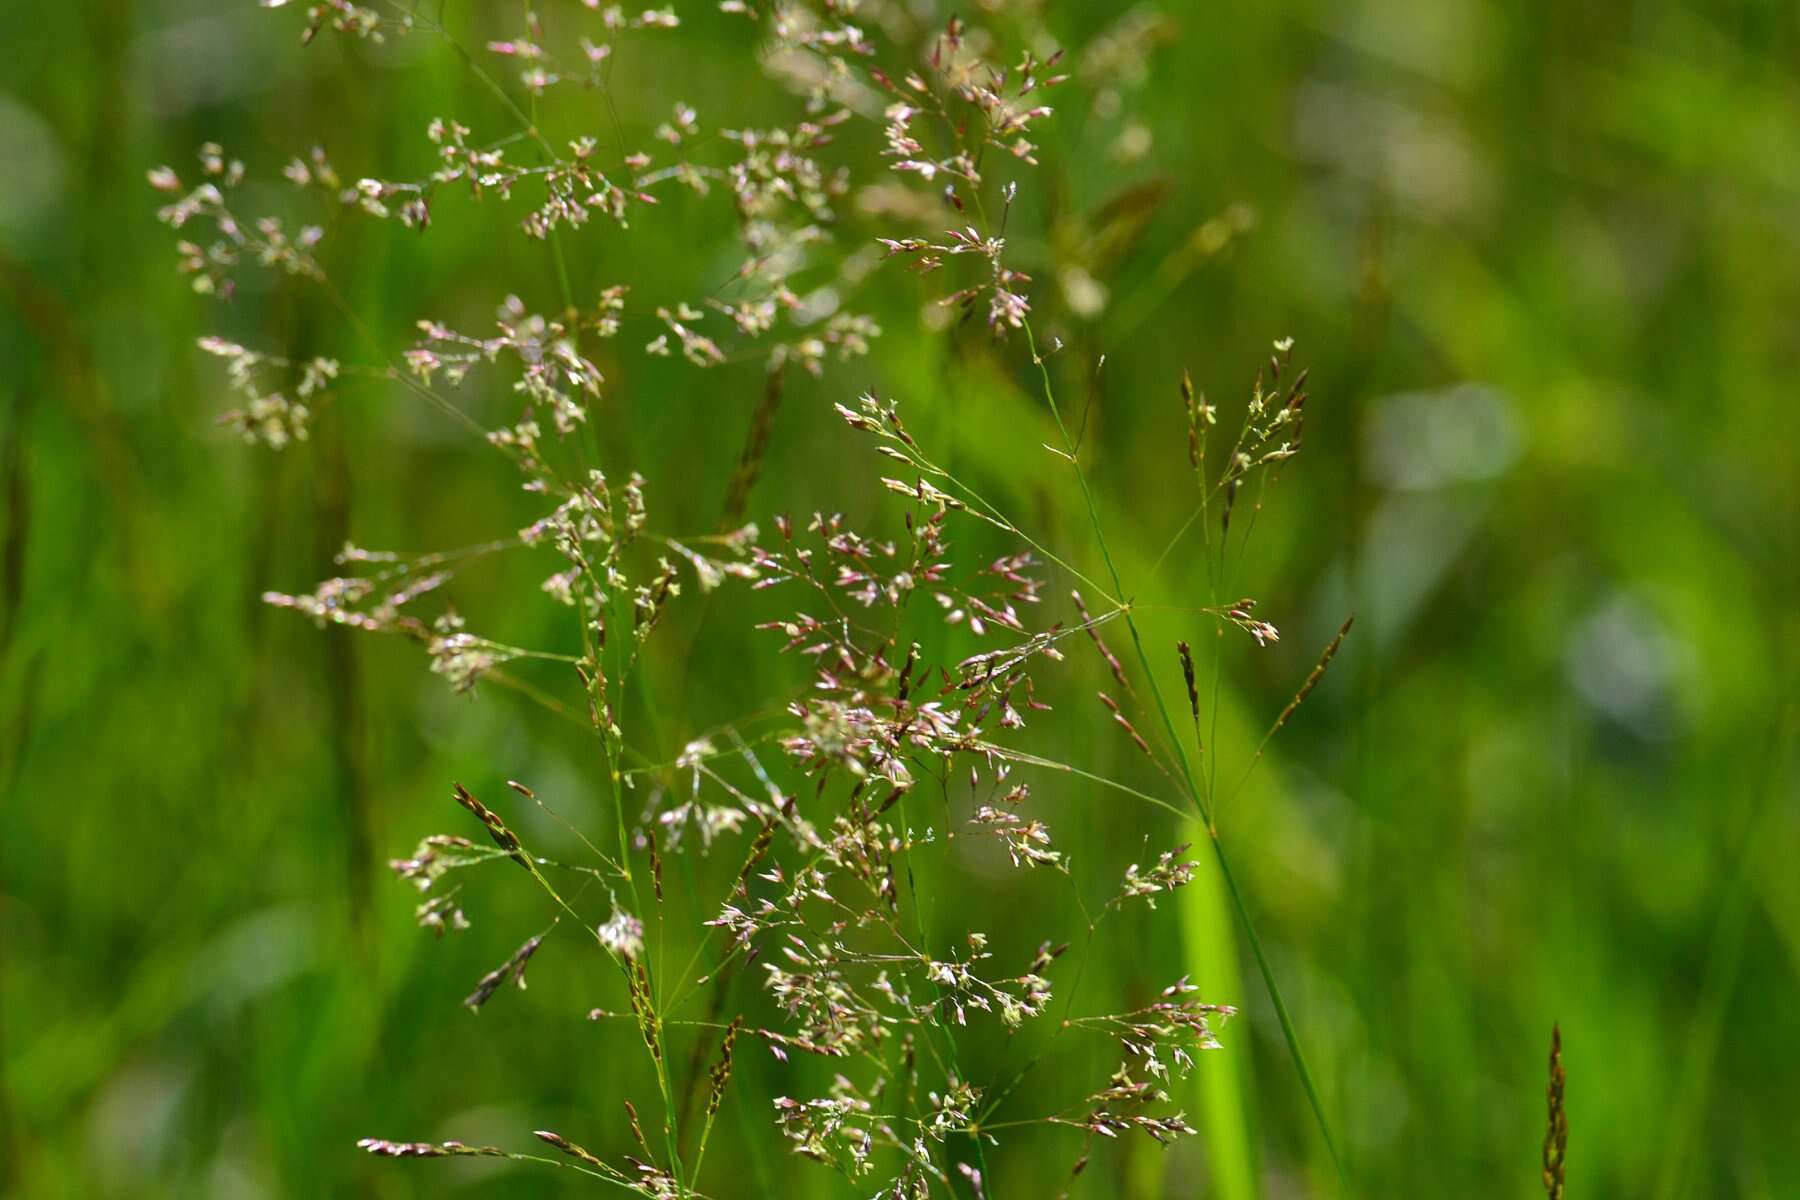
784,844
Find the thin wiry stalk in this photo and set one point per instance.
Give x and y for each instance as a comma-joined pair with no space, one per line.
1051,764
1288,1031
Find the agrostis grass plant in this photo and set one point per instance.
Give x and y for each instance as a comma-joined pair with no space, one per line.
798,823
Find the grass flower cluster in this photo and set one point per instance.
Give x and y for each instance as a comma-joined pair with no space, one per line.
794,829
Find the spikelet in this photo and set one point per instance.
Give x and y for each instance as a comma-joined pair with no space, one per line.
1556,1132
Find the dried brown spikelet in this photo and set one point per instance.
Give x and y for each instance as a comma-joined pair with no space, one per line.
569,1148
637,1129
503,837
1318,673
1196,431
1047,954
649,1023
1112,661
1189,677
760,847
1556,1133
756,445
386,1149
721,1070
1124,723
1187,674
512,969
904,688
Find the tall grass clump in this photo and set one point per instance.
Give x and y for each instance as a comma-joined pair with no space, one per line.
758,891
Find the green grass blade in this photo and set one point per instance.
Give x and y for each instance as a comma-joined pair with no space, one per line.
1223,1076
1281,1010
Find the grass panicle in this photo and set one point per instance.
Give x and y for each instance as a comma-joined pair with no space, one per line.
795,857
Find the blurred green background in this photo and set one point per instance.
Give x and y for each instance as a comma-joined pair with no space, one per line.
1544,262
